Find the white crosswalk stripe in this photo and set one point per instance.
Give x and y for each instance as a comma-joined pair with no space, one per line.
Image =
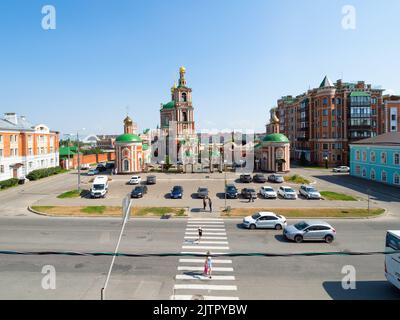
214,241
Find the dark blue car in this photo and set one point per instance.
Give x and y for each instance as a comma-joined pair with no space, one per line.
177,192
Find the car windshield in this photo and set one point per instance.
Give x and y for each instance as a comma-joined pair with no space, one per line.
251,190
311,190
231,188
177,189
301,225
256,216
288,190
203,190
138,189
268,189
98,186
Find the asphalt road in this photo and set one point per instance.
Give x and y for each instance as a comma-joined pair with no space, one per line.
81,277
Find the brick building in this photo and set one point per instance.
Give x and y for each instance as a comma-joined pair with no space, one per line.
321,122
392,113
25,147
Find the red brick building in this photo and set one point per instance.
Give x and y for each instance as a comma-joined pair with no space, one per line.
392,113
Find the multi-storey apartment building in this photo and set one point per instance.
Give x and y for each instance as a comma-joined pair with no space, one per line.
321,122
25,147
392,113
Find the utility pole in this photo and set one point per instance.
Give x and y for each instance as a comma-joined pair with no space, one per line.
368,193
79,163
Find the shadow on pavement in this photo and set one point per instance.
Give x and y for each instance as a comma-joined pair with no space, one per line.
365,290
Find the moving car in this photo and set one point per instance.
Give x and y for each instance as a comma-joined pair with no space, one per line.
287,192
92,172
202,192
99,187
176,192
231,191
265,220
341,169
259,178
310,230
101,167
268,193
110,165
151,180
392,260
277,178
246,178
135,180
139,192
247,192
309,192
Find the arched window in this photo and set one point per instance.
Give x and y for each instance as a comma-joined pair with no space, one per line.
383,176
184,116
396,178
373,175
364,172
184,97
126,165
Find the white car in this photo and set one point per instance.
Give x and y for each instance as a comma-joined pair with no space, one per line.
265,220
92,172
135,180
309,192
287,192
268,193
341,169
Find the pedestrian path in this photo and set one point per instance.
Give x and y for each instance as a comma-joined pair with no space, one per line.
190,282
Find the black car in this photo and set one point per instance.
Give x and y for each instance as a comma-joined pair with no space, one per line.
151,180
176,192
247,192
110,165
259,178
139,192
231,191
101,167
246,178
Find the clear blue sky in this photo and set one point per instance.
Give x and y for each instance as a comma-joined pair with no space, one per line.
240,55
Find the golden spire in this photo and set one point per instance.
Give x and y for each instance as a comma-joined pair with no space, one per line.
182,69
173,87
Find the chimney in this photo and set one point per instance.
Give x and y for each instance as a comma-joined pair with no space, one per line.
11,117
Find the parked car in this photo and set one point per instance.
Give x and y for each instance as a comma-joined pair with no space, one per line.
259,178
268,193
139,192
341,169
246,178
151,180
265,220
85,166
92,172
202,192
277,178
101,167
287,192
231,191
135,180
310,230
309,192
176,192
247,192
110,165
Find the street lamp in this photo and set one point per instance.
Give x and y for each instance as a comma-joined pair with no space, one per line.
225,162
79,161
326,162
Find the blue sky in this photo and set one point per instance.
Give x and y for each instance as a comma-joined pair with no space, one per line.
240,56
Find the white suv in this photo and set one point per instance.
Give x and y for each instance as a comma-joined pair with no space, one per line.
135,180
265,220
287,192
268,193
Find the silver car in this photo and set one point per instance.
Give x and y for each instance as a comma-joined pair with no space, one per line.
310,230
309,192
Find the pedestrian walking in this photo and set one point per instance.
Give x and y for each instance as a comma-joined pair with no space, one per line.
250,197
210,204
209,266
200,232
204,204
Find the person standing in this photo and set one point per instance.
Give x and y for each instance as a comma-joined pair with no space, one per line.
210,204
204,204
200,232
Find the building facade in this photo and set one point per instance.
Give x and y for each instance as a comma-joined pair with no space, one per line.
392,113
377,158
321,122
25,147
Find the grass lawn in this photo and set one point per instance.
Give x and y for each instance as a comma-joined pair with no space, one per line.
72,194
329,195
308,212
109,211
295,178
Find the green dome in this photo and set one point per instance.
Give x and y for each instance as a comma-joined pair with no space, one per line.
169,105
128,137
275,137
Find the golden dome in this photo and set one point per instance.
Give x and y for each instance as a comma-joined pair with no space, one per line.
128,120
182,69
173,88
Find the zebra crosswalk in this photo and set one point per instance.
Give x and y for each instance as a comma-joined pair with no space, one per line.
190,282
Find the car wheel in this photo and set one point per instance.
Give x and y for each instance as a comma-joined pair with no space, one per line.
278,227
252,226
328,239
298,238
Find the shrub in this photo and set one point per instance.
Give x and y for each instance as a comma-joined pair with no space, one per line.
8,183
43,173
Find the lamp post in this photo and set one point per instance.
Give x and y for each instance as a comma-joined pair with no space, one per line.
79,161
326,162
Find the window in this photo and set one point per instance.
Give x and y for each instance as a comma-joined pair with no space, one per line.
1,153
324,123
383,176
383,157
358,170
372,174
325,146
396,159
364,172
358,155
1,169
373,156
184,98
325,102
325,112
396,178
364,156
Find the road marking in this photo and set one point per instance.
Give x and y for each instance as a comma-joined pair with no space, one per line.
208,238
205,287
202,261
207,242
205,222
195,297
205,247
205,229
201,277
205,219
188,268
203,253
188,233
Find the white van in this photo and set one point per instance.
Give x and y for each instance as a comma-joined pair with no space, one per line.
392,260
99,187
